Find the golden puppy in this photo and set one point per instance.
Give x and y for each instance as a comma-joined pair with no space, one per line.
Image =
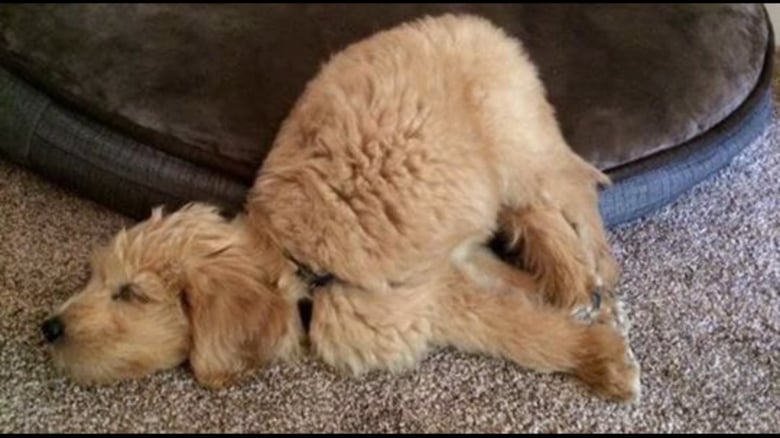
364,237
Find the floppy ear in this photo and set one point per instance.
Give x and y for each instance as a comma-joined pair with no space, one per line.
236,319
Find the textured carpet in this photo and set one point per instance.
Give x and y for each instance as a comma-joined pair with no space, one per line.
701,281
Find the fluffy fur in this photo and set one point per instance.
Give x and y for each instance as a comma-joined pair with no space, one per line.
400,161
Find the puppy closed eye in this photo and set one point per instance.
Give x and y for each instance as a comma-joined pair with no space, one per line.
129,292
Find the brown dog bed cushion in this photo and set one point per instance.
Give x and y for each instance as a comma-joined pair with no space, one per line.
137,105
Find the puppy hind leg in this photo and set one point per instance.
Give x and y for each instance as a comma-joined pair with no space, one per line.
543,242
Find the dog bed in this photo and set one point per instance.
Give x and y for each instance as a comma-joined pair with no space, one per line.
138,105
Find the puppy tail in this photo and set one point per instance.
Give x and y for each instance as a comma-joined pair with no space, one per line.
592,172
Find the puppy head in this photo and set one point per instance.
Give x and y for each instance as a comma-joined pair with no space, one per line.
187,286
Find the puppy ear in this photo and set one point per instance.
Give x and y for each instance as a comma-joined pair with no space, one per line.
236,319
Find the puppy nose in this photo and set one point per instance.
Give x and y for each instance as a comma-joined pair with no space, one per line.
52,329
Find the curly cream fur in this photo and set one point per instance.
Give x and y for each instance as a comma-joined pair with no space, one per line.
401,159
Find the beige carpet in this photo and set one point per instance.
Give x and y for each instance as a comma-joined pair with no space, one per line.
702,279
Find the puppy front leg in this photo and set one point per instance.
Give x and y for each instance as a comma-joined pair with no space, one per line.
495,318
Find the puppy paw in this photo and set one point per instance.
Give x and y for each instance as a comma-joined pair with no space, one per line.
620,321
590,312
613,315
608,365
